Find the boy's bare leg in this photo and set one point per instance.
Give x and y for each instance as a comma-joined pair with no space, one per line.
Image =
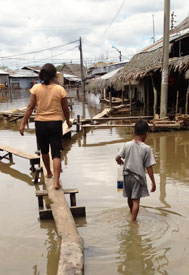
130,204
135,209
57,170
46,161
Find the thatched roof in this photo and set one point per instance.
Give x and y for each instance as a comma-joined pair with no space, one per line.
72,69
150,59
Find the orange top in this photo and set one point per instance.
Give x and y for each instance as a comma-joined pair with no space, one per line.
48,101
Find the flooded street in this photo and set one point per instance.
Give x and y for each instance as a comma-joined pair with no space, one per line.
157,244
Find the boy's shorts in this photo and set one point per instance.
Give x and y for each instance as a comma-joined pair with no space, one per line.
132,188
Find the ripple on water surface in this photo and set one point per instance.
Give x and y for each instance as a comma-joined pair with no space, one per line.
153,245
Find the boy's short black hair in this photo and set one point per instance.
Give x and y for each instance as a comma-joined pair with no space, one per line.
141,127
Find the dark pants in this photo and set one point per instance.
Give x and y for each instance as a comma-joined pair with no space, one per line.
49,133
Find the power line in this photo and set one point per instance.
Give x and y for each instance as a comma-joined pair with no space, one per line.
114,18
110,24
38,51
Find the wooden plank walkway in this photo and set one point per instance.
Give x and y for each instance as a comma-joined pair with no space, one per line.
105,112
72,248
18,153
34,159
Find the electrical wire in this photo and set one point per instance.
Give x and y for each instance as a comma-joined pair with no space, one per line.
114,18
38,51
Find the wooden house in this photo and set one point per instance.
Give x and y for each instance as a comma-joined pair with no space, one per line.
141,77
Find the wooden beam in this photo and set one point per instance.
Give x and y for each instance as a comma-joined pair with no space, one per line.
78,211
71,254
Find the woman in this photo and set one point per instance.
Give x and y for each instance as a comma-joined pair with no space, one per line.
50,102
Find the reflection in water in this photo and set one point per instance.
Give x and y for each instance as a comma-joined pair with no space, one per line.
163,171
13,99
52,244
139,251
113,244
6,168
135,254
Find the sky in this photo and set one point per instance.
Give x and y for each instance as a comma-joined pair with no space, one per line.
33,25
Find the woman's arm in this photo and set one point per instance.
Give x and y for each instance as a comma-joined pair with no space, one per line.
28,113
66,111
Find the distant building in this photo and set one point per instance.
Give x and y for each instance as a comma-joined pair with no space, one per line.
4,78
72,69
102,68
23,79
35,69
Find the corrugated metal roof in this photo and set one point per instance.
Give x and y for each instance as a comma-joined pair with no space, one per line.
71,77
23,73
109,75
172,38
3,72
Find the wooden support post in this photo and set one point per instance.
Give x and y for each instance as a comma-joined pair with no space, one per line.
10,156
186,106
130,94
177,99
78,211
104,93
45,214
78,123
110,99
122,95
148,97
73,199
155,97
84,132
37,172
40,202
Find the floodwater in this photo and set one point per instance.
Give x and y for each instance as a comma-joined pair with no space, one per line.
157,244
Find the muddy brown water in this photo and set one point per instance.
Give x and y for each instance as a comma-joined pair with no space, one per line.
157,244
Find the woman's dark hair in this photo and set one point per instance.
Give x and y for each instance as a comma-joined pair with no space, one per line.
47,73
141,127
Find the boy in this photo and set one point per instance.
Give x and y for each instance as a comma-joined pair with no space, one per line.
138,156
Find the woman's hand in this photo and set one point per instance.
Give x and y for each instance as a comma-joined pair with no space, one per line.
69,123
22,127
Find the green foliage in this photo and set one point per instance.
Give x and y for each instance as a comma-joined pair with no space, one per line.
58,68
4,68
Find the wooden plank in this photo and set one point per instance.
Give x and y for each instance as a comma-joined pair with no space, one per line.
122,118
40,193
71,254
105,112
18,153
65,129
108,126
78,211
45,214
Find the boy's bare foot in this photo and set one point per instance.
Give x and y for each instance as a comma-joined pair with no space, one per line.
49,175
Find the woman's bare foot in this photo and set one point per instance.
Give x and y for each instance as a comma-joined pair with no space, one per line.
49,175
57,185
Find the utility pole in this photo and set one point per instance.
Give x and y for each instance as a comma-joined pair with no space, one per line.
173,15
81,65
165,67
154,38
120,55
